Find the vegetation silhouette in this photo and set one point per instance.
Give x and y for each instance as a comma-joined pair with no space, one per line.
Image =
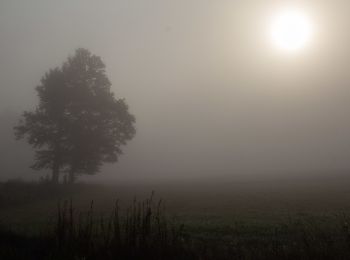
143,230
79,124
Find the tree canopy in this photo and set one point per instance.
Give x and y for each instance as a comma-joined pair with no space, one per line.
78,124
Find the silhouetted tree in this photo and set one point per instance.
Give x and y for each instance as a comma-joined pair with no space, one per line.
78,124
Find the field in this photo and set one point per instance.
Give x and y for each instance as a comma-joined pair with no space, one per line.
219,219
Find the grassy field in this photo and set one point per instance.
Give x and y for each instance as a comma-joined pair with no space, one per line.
222,219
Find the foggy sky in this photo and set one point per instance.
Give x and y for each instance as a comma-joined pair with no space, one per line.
211,95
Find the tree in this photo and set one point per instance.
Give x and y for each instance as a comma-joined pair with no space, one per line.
78,124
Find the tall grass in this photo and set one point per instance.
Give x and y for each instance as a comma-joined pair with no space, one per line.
141,232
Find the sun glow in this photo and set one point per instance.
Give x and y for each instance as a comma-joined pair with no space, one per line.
291,30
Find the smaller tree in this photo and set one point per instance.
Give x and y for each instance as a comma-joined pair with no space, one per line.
78,124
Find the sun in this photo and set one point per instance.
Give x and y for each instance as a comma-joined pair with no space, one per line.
291,30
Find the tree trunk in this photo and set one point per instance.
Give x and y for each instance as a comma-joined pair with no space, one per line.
55,173
56,163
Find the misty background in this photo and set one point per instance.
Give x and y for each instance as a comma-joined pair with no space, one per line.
211,96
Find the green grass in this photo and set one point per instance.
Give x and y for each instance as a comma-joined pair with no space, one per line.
209,221
142,232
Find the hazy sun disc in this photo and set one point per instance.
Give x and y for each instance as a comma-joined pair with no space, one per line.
291,30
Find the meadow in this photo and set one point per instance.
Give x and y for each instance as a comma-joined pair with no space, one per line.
208,219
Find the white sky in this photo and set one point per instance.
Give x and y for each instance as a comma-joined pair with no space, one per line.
210,93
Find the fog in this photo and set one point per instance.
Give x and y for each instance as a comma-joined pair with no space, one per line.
211,96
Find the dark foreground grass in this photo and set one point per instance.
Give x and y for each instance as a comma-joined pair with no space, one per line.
233,223
142,231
